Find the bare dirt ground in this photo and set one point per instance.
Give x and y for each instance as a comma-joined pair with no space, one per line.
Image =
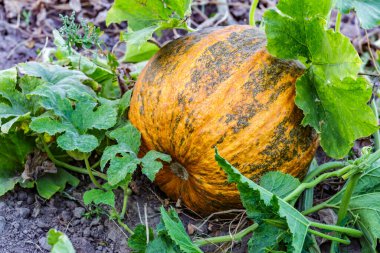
25,28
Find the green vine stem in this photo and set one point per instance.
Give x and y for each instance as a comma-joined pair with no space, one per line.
318,207
125,226
252,11
348,231
345,202
324,167
70,167
376,135
329,237
337,22
227,238
338,173
127,192
93,179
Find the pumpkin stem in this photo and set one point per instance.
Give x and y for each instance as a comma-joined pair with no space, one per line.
179,170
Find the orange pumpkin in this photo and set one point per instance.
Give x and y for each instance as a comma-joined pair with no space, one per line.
220,87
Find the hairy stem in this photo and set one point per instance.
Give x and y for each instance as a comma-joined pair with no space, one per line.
126,193
297,192
348,231
376,135
70,167
227,238
328,237
318,207
337,22
125,226
93,179
252,12
322,168
345,202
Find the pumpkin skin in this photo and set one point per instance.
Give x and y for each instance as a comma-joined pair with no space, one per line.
220,87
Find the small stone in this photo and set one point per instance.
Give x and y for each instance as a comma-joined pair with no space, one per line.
19,203
66,216
22,196
94,222
2,224
25,231
75,223
30,200
70,204
2,205
44,244
23,212
78,212
86,232
16,225
42,224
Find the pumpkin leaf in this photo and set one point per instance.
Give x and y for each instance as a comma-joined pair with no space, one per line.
146,18
138,241
50,184
151,166
265,239
330,85
13,104
98,196
73,123
60,80
13,151
60,242
261,204
368,11
142,53
279,183
176,231
120,167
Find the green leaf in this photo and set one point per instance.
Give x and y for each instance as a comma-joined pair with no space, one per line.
368,11
176,231
136,39
264,239
138,241
120,167
257,200
139,54
13,104
60,80
279,183
98,196
60,242
13,151
151,166
124,103
128,135
181,7
74,123
329,87
162,243
338,111
50,184
139,14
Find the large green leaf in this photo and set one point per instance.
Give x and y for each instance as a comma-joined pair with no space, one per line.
138,241
98,196
334,102
13,151
150,164
73,123
368,11
261,204
135,53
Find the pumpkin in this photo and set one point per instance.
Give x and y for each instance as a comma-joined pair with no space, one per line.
220,87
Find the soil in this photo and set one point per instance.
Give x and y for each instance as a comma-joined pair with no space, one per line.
25,217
